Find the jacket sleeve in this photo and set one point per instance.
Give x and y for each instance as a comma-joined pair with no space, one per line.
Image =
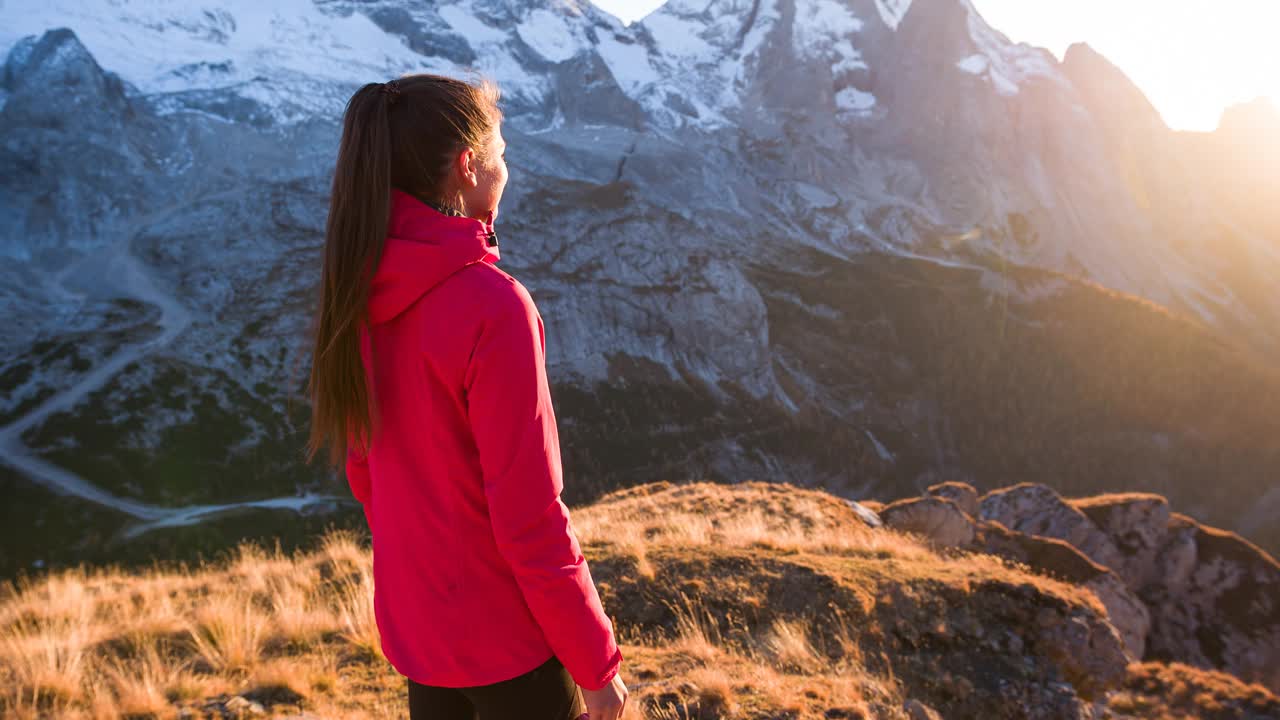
358,477
512,420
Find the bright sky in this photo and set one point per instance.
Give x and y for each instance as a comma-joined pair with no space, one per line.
1193,58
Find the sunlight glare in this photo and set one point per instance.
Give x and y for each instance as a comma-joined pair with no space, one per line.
1192,58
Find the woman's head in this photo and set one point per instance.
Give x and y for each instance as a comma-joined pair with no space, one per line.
446,141
434,137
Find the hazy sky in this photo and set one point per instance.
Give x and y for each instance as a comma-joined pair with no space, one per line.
1191,57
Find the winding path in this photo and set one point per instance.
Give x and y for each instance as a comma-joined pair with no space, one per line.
121,270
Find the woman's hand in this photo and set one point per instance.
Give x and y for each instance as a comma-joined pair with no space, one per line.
608,702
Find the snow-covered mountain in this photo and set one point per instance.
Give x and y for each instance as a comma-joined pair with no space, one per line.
823,241
899,87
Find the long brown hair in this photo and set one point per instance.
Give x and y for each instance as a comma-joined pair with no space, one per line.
402,134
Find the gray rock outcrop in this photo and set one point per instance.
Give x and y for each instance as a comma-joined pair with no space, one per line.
1137,524
961,493
1219,605
1037,509
1174,589
938,519
1061,560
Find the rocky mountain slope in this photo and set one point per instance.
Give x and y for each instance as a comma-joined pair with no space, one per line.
861,245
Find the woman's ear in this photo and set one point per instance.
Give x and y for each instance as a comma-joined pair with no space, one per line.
467,167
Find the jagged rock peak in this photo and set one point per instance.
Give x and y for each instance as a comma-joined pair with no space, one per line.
56,59
54,81
1106,86
1083,58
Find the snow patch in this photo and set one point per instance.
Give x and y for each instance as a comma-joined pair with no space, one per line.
855,100
629,63
892,11
548,35
881,450
974,64
1005,65
679,37
471,27
823,29
820,19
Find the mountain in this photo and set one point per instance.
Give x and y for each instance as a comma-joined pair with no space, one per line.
858,245
1239,168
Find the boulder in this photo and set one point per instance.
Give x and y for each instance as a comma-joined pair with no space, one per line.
939,520
1137,524
868,514
1058,559
960,493
1039,510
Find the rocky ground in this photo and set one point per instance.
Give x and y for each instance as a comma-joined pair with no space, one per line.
754,600
1175,589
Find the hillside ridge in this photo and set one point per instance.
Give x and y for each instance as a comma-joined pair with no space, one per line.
750,600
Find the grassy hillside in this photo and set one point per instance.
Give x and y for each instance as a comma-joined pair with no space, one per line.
746,601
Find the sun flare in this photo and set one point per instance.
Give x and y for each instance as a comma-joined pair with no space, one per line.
1193,58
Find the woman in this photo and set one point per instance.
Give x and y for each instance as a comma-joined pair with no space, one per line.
428,382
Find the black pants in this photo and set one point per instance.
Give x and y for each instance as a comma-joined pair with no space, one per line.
546,692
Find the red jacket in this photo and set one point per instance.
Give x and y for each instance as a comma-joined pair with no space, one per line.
478,574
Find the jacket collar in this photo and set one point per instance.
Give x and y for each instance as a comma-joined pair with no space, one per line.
423,247
410,215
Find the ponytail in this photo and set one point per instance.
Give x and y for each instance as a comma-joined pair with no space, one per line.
359,207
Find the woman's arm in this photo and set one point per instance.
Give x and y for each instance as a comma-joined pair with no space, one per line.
509,404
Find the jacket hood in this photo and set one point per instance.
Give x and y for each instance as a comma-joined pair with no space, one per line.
423,247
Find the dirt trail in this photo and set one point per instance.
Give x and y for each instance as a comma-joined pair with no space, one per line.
118,268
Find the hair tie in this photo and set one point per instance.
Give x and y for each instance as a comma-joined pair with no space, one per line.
392,90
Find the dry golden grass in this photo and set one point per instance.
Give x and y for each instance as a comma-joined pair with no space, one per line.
754,514
297,632
106,643
1115,498
788,647
1173,691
